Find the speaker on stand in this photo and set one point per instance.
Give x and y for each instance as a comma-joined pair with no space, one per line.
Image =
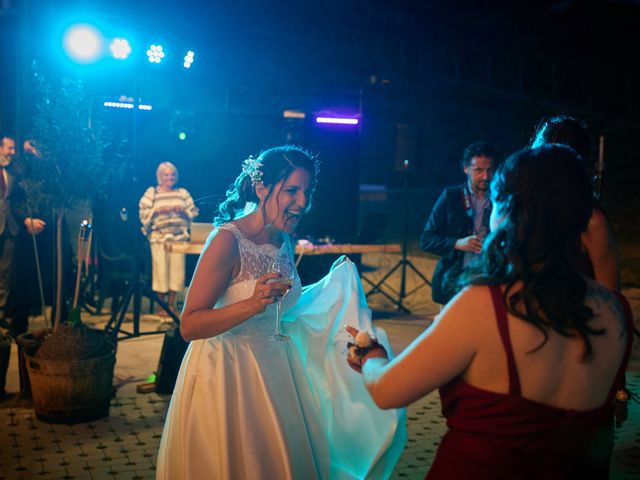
407,136
335,203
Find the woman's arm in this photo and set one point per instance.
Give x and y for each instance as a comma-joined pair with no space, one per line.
145,206
220,259
601,247
189,211
440,354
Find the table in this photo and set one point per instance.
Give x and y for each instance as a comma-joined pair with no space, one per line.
328,249
335,249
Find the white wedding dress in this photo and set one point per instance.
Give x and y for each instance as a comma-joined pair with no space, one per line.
247,406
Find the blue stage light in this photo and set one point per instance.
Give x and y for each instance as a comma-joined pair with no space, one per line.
188,59
120,48
155,53
83,43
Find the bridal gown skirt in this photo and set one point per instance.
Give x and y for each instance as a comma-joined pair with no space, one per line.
249,407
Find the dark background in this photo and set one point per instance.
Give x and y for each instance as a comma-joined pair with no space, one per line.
459,71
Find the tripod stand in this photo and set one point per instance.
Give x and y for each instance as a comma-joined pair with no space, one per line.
404,263
135,285
135,290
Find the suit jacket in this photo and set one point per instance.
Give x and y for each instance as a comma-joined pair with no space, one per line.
9,218
447,223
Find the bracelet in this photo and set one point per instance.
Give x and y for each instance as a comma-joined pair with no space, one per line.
622,395
361,352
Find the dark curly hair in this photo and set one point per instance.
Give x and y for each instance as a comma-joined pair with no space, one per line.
544,196
478,149
277,164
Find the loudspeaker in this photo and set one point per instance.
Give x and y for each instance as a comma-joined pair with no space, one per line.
335,202
407,137
173,350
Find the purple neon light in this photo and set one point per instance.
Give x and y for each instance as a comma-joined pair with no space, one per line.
338,120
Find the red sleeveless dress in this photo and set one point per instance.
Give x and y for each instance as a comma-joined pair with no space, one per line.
505,436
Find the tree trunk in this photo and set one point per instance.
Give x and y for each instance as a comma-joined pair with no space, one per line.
59,268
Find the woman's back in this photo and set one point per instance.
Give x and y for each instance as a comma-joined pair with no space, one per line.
546,412
557,374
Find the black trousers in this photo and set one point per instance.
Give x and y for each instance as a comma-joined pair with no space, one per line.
7,250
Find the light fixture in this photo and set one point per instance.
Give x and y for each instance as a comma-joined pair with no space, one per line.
155,53
120,48
83,43
338,120
188,59
295,114
126,105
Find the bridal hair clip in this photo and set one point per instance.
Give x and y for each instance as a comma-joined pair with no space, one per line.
253,168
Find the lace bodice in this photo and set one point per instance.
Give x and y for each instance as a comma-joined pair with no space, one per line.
255,261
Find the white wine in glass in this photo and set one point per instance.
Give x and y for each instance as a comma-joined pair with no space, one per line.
282,265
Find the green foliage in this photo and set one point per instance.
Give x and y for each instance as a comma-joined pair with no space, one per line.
71,166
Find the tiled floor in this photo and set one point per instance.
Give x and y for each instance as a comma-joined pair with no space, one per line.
124,445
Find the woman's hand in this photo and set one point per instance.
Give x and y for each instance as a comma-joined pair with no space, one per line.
179,211
267,290
34,226
358,355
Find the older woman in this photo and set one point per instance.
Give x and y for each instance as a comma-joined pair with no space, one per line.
166,213
528,356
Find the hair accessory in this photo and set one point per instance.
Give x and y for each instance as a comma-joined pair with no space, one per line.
253,167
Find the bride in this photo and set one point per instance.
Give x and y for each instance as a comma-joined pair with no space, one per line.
249,403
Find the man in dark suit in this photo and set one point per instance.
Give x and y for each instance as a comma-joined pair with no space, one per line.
12,219
459,221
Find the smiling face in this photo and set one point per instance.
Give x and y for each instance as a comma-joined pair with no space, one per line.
7,150
288,201
168,178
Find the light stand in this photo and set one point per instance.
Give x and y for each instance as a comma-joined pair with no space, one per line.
404,263
135,286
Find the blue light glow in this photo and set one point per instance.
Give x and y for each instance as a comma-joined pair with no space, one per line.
120,48
83,43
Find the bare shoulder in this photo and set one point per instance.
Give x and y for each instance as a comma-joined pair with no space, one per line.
221,243
472,296
471,308
598,223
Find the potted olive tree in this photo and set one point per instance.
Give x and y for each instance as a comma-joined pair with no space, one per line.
71,373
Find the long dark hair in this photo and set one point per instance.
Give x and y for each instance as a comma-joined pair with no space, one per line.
544,196
566,130
277,164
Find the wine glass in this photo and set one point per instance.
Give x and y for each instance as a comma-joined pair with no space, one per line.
283,266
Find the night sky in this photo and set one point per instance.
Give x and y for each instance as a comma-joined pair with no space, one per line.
462,71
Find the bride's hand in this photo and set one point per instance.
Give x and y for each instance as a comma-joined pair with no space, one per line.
266,293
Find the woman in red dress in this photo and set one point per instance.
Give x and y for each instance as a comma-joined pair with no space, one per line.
528,356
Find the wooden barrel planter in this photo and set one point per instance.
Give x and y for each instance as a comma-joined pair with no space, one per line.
71,391
28,344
